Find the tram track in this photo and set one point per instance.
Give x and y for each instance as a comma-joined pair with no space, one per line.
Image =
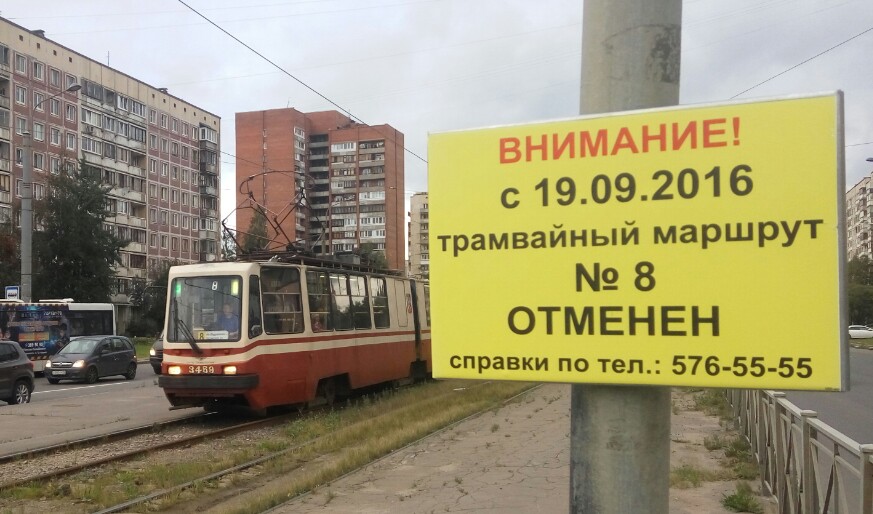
125,506
42,458
219,477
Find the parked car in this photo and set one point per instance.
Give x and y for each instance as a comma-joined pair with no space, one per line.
860,332
16,374
156,354
89,358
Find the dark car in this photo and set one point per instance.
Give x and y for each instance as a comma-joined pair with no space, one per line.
156,354
16,374
89,358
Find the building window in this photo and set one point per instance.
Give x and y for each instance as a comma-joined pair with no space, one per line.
55,107
20,125
163,120
38,132
153,215
71,140
20,95
153,142
153,191
184,198
175,244
163,241
185,221
175,196
38,99
164,193
38,70
38,161
164,217
55,77
20,63
174,148
71,112
165,168
153,166
165,145
70,80
55,165
175,125
175,219
175,174
153,240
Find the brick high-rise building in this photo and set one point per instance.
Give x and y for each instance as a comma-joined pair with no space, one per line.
419,231
158,152
329,184
859,220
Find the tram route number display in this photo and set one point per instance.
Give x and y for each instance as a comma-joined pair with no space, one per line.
691,246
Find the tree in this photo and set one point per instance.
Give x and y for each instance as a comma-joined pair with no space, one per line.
373,257
10,255
74,255
256,236
150,300
229,248
860,271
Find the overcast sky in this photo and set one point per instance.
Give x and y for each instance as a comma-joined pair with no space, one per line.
434,65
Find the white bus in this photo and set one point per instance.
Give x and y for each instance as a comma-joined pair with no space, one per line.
43,328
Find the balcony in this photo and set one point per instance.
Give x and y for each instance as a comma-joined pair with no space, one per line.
4,101
208,168
5,133
135,247
210,235
208,190
132,221
208,257
128,194
5,197
5,165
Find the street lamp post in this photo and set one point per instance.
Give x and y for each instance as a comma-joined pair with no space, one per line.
27,205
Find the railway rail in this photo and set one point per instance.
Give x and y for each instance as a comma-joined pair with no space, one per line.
293,457
42,464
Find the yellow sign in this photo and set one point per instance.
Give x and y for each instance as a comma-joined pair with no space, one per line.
688,246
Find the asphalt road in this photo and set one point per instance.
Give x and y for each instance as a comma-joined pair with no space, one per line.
850,412
43,391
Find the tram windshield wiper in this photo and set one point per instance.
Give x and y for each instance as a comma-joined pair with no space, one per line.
186,332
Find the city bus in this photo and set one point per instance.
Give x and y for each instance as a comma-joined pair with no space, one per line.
43,328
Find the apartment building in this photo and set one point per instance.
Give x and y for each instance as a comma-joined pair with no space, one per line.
859,219
157,152
419,248
327,183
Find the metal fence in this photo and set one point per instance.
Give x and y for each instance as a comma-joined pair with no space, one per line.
808,466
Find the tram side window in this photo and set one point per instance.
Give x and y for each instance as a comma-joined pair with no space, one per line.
360,301
379,291
339,287
283,310
318,286
255,328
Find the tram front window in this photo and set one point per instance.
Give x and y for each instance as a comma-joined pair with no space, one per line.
204,309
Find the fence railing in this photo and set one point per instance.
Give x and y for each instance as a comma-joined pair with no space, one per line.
808,466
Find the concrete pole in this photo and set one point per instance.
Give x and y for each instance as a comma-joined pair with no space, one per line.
27,218
620,436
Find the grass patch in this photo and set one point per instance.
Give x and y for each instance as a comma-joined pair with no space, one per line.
688,477
319,448
743,500
142,346
713,402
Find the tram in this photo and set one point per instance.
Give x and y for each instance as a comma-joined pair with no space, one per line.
288,331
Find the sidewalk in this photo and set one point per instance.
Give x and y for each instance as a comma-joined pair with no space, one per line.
513,460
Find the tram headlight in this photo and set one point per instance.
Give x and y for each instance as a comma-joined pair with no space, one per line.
174,370
230,370
79,364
